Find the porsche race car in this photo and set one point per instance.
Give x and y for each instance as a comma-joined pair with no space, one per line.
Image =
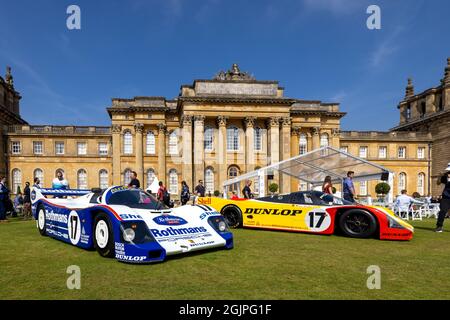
313,212
128,224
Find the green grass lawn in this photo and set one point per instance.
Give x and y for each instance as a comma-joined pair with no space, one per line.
263,265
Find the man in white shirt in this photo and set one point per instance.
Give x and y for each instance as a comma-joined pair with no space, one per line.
59,182
403,202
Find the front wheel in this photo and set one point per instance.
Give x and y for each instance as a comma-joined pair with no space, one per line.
41,221
358,223
103,236
233,216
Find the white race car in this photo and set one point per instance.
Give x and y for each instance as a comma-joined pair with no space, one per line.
128,224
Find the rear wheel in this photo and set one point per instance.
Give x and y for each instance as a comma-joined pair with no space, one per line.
40,221
103,236
357,223
233,216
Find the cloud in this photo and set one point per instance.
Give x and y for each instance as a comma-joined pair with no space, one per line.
386,48
336,7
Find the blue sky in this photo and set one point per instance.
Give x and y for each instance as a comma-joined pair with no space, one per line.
317,49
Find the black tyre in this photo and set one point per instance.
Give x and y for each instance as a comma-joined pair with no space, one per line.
41,220
233,216
103,236
358,223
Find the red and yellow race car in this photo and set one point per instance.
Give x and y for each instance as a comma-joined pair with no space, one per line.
313,212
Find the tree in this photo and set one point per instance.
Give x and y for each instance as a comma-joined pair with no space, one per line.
382,188
216,193
273,187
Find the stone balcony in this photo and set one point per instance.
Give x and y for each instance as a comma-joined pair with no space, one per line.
385,136
58,130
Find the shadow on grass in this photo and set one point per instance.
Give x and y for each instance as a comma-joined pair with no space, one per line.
429,229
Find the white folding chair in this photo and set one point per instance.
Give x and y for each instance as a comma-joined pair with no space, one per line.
416,212
403,211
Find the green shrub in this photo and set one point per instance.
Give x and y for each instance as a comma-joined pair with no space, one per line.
382,188
273,187
216,193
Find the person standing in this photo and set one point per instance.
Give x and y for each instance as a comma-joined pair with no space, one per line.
445,200
163,195
185,194
36,183
134,183
27,201
327,186
4,196
59,182
247,192
349,188
200,189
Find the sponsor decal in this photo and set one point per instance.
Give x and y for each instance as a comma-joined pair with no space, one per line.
208,213
74,227
280,212
202,243
56,217
33,195
56,233
120,248
131,217
177,231
167,220
118,189
130,258
204,200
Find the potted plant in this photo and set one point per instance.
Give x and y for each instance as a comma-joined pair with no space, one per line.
382,189
273,188
216,193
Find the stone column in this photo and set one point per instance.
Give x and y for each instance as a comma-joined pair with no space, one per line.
199,148
222,151
116,150
250,156
274,127
295,147
315,138
335,141
187,150
162,152
285,152
138,129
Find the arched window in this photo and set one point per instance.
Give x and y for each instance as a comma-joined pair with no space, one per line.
38,173
401,182
408,112
233,172
82,179
150,177
173,181
127,143
324,140
209,139
173,143
209,180
103,179
303,143
421,183
232,138
150,143
16,180
258,139
256,182
127,177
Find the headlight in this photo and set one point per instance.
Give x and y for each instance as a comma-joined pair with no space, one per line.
222,226
129,234
394,224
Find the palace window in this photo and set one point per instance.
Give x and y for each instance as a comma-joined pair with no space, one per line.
421,183
209,180
38,147
103,148
173,143
82,179
363,188
127,177
303,143
324,140
256,182
150,177
344,149
440,104
59,148
103,179
209,139
233,172
16,180
173,181
257,139
363,152
38,173
127,143
401,182
423,109
402,152
382,152
232,138
16,147
421,152
150,143
408,112
82,148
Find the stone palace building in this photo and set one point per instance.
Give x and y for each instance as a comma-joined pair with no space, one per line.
217,129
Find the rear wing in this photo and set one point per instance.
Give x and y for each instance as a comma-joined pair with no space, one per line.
38,193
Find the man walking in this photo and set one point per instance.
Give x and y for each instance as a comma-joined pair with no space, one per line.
349,188
27,201
445,201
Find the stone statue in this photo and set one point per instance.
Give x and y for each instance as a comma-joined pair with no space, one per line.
233,74
8,77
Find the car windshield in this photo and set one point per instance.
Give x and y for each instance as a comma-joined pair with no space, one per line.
135,198
329,200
